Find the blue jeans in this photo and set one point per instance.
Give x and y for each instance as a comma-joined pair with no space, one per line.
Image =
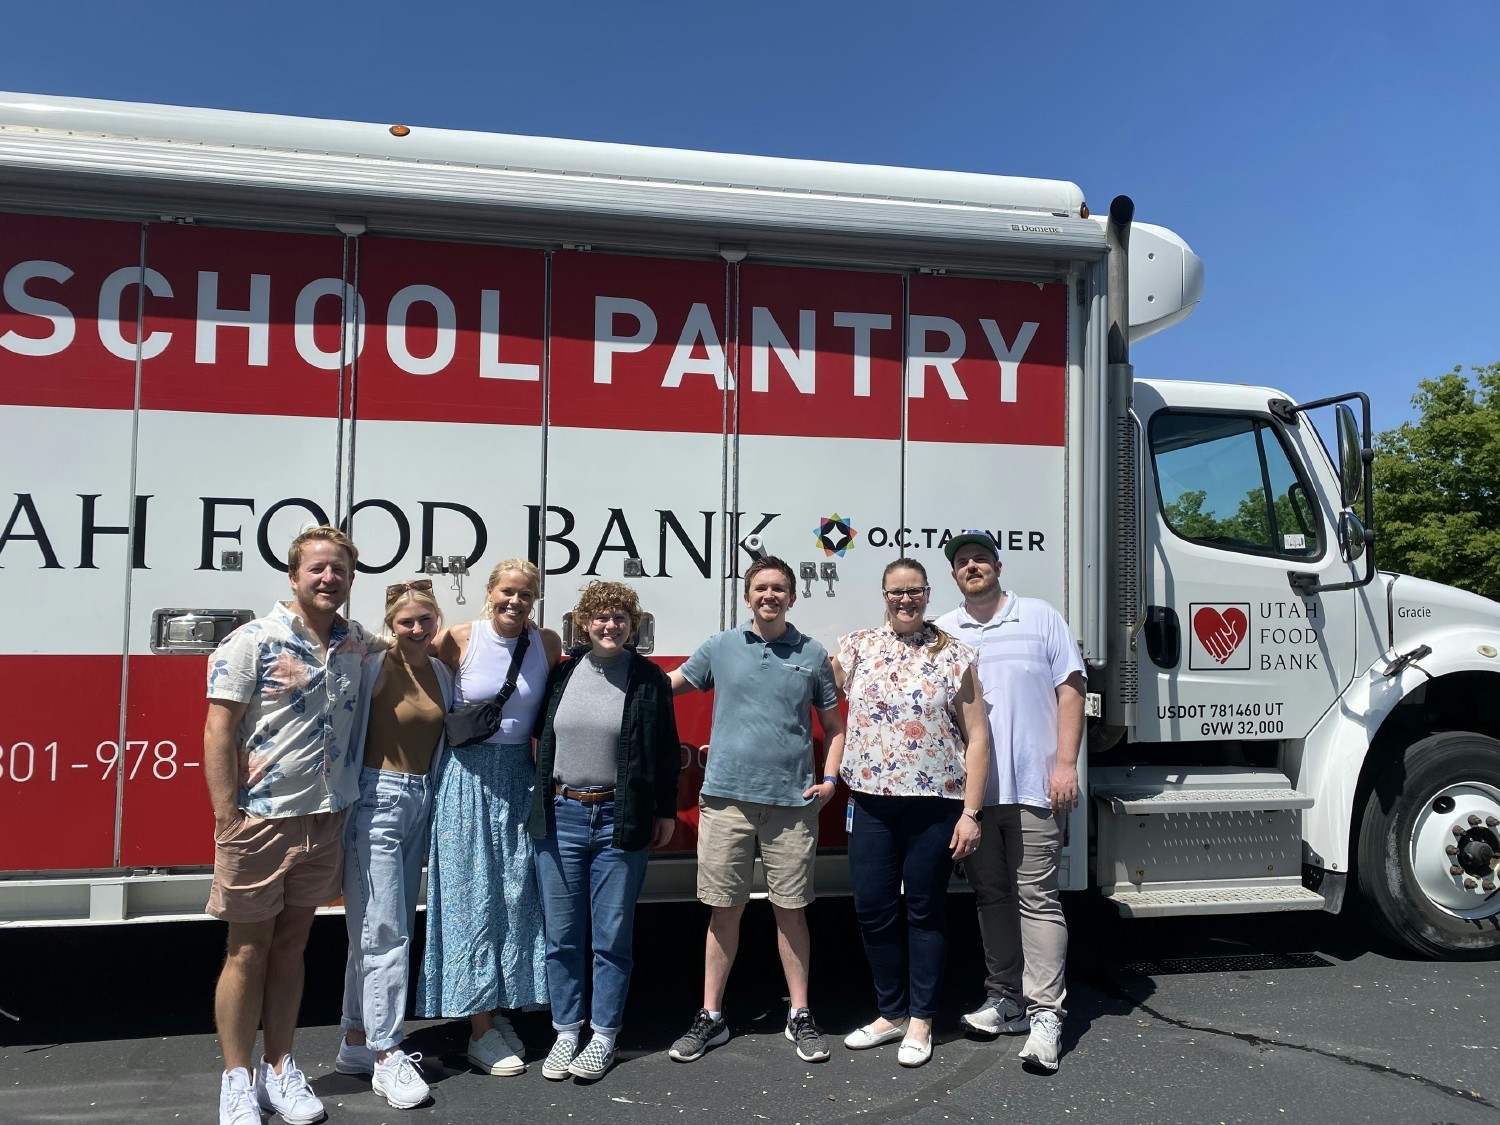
587,882
898,840
385,841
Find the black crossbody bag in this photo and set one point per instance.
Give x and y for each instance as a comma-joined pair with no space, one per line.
476,722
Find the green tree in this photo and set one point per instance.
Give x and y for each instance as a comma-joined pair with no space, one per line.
1437,484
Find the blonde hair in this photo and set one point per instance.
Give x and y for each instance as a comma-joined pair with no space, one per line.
525,566
421,597
322,533
940,638
596,597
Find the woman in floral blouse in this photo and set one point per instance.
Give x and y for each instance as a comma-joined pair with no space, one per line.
915,759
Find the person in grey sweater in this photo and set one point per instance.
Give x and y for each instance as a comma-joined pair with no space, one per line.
606,788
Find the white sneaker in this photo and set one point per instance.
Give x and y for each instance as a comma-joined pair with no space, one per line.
355,1059
237,1099
399,1080
996,1016
493,1055
287,1093
508,1033
1043,1042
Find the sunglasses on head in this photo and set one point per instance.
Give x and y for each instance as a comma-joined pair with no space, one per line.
420,585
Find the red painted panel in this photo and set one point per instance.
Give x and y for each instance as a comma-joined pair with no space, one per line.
56,272
167,820
820,353
226,338
487,364
658,362
1006,383
57,740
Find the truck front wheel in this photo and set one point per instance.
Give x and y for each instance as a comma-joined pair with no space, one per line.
1429,847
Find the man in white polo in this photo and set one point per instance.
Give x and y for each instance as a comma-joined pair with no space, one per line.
1032,678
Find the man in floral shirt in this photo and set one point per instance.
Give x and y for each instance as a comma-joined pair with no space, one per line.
281,767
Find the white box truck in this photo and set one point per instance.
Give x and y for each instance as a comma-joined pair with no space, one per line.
216,328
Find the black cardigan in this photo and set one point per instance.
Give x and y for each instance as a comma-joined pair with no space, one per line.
650,754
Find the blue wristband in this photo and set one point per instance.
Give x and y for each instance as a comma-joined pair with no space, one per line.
829,779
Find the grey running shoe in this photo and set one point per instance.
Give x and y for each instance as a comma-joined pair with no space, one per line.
555,1066
706,1032
998,1015
592,1061
802,1030
1046,1038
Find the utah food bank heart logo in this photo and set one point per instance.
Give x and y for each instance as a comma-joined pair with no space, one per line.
1219,634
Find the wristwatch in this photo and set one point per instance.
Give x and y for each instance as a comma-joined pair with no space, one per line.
976,814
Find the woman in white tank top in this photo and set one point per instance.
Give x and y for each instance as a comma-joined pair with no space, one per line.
485,952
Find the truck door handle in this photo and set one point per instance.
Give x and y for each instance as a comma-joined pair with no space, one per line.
1163,637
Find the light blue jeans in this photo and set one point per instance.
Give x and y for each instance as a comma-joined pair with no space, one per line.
587,883
385,842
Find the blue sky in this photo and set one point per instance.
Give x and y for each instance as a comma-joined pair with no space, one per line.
1334,164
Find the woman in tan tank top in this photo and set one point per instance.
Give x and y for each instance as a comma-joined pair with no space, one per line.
404,694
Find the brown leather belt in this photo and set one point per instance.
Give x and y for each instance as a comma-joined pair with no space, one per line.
584,796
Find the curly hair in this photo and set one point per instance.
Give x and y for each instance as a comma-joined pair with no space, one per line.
597,597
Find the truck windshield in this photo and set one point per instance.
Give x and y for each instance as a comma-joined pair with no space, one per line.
1227,481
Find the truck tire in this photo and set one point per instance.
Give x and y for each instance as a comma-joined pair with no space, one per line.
1441,793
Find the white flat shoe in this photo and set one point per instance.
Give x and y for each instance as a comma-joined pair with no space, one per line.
863,1038
913,1053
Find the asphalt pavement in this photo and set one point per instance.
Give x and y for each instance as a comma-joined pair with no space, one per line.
1290,1018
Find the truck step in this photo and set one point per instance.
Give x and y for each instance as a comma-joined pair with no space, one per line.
1147,800
1201,900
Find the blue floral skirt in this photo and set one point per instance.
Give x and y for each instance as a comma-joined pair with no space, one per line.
485,948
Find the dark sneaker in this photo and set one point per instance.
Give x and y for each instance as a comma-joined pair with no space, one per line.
998,1015
706,1032
592,1061
802,1030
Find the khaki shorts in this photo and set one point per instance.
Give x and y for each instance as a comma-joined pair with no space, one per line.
727,834
262,864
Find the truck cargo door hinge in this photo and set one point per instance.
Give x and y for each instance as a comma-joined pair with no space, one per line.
1080,287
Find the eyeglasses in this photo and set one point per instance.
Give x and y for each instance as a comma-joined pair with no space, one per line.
908,592
421,586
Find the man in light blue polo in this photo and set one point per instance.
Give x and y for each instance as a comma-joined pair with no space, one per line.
758,786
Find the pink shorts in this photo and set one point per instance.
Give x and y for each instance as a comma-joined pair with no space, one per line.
262,864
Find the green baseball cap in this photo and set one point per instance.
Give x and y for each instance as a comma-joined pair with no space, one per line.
970,539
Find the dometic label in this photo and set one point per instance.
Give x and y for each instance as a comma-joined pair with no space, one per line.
244,322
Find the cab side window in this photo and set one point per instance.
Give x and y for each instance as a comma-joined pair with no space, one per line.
1227,481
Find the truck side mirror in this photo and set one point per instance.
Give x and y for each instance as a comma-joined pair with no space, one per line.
1351,460
1351,536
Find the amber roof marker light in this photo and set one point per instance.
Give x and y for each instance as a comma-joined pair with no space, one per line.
400,130
1083,209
